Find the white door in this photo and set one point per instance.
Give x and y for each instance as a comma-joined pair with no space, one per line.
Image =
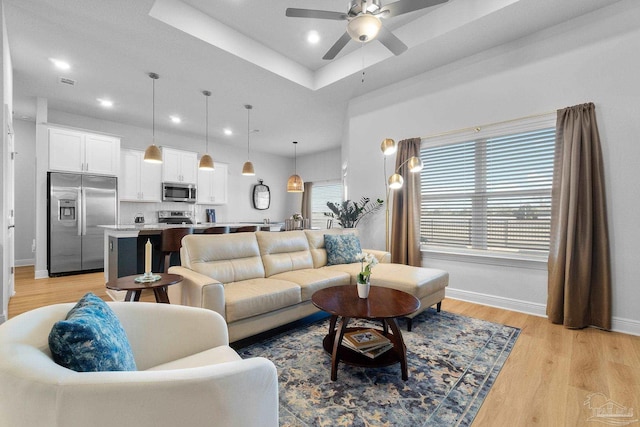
11,205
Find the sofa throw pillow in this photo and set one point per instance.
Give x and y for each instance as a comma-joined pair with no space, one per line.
341,248
91,339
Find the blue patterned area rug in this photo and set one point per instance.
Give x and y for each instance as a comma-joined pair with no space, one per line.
453,362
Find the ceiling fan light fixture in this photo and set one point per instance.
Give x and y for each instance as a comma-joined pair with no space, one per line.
364,27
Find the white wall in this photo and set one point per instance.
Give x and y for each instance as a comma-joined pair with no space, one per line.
274,170
321,166
589,59
25,176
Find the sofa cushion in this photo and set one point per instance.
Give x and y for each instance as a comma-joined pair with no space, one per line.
314,279
91,339
285,251
417,281
224,257
212,356
316,243
257,296
342,249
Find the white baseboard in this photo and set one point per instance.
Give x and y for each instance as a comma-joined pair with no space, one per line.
41,274
520,306
626,326
25,262
618,324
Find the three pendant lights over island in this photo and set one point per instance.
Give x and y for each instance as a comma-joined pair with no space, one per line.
153,154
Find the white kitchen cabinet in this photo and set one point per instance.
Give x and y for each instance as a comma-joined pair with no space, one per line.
179,166
139,181
212,185
77,151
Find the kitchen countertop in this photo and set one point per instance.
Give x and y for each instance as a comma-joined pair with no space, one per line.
202,225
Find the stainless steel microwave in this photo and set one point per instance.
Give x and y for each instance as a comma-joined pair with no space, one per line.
173,192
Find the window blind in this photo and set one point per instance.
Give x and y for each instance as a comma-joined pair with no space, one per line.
322,193
489,194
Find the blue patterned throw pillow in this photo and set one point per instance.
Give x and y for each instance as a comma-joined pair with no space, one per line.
91,339
341,248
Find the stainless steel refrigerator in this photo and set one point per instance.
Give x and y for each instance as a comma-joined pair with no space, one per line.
77,205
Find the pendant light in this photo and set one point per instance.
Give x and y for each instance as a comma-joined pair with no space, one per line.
295,183
247,168
206,162
153,154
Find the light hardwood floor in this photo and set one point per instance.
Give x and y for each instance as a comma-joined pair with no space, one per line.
544,382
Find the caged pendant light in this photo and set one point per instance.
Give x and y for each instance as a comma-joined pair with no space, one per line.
206,162
153,154
247,168
295,183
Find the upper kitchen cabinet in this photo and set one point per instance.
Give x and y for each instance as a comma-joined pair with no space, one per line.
212,185
84,152
179,166
139,181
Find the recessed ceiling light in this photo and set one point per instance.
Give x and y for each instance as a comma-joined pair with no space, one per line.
105,103
175,119
228,131
313,37
62,65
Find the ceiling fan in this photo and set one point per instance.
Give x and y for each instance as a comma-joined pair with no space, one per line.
364,21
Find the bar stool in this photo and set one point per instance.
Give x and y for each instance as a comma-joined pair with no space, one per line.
246,229
171,242
221,229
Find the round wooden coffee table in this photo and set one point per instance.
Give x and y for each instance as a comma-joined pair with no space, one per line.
383,304
134,289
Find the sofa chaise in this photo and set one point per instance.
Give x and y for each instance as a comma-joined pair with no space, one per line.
262,280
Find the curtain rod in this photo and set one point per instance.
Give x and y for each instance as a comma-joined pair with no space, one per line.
479,128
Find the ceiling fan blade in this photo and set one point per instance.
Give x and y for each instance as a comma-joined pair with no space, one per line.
405,6
337,46
391,42
318,14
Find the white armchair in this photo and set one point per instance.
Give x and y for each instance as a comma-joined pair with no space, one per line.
187,374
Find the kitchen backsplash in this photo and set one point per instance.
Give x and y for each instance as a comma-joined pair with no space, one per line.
129,210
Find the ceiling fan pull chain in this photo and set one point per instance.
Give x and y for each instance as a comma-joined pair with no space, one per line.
362,49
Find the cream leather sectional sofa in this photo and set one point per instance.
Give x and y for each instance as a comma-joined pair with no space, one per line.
258,281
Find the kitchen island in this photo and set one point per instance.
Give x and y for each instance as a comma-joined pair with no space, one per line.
124,244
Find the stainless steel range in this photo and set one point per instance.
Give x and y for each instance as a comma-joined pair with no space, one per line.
175,217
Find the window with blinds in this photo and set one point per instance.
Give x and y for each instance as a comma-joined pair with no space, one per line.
321,193
490,193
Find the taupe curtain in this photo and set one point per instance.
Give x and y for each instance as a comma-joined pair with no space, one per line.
579,283
405,224
306,200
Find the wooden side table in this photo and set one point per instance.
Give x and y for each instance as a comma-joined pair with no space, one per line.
384,304
134,289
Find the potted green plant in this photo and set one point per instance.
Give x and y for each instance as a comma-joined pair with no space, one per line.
350,213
